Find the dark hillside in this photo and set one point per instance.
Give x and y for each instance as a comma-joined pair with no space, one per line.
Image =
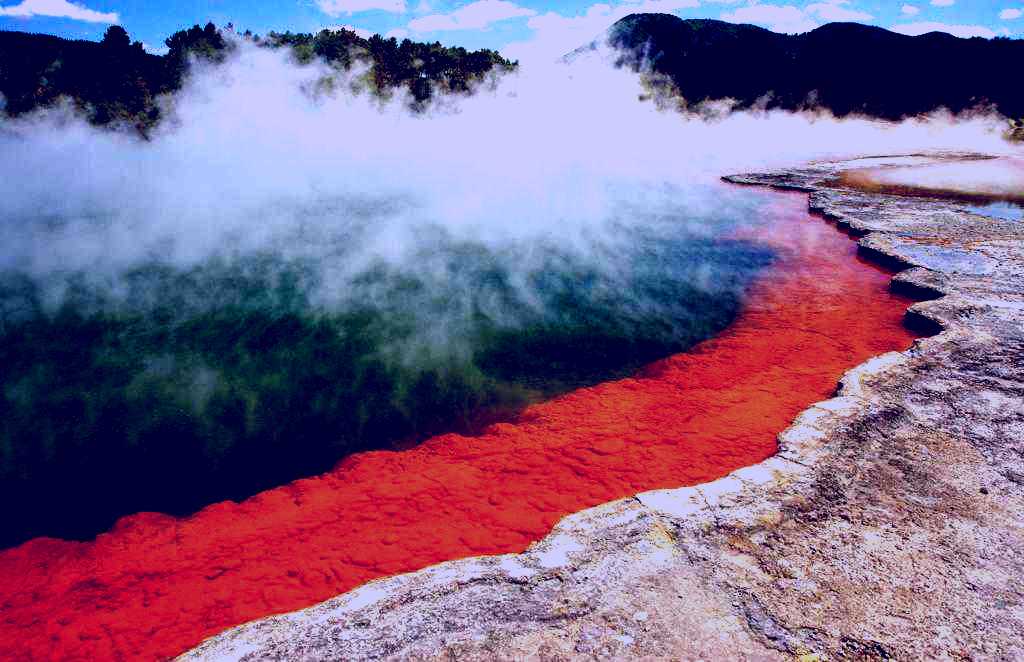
419,67
116,81
844,67
112,79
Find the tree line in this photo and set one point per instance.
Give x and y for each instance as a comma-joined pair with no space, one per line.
846,68
116,82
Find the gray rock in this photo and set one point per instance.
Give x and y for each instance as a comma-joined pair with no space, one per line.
889,525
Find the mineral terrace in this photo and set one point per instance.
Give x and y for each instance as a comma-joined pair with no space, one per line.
889,525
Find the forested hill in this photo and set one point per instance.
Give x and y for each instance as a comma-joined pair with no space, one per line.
116,81
844,67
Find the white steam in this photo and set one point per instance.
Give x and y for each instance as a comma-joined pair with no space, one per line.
257,156
1000,178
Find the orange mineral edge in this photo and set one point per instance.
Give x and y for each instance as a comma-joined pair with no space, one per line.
155,586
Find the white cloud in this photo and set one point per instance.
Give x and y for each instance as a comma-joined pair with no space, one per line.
1011,14
58,9
910,10
474,16
397,33
792,19
657,6
924,27
943,3
554,34
348,7
836,10
777,18
362,32
156,50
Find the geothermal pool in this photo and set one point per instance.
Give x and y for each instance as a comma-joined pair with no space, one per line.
156,585
997,184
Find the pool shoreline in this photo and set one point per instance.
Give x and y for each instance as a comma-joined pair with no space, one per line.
887,525
156,585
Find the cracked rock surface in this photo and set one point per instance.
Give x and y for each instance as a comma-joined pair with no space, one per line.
889,525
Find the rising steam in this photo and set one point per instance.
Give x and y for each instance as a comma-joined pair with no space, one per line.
258,154
289,270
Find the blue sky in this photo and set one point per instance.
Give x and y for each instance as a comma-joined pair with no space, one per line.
520,28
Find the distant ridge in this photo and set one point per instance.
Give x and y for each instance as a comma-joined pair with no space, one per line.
844,67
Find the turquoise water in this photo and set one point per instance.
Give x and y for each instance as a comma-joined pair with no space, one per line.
1004,210
169,386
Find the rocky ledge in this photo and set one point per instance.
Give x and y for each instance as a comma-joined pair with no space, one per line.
889,525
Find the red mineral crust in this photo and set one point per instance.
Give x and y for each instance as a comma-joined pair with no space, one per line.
155,586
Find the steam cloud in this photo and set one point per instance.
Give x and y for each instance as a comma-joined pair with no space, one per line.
995,179
199,266
259,155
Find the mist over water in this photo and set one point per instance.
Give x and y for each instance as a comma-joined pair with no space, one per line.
981,180
291,270
260,154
